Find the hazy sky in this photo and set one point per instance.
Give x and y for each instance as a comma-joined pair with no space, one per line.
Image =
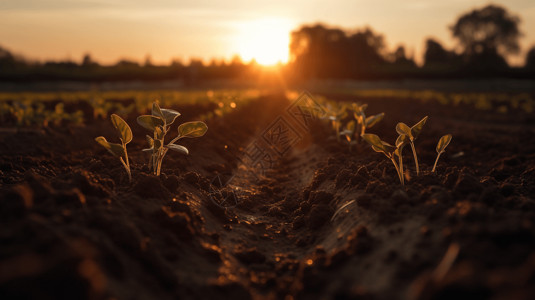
166,29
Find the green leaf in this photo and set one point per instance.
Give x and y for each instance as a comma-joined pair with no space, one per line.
402,128
159,133
178,148
372,120
169,115
443,143
156,111
125,133
373,140
417,128
150,141
387,148
192,129
149,122
115,149
401,141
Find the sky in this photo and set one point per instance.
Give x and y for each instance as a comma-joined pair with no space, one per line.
164,29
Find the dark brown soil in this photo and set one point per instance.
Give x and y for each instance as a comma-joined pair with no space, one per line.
72,227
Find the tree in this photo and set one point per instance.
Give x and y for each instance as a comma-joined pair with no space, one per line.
436,56
530,59
490,29
321,52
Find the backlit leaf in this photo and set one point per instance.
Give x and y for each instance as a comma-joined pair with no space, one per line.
169,115
150,141
156,111
402,128
192,129
373,140
149,122
417,128
372,120
159,133
178,148
401,141
125,133
387,148
115,149
443,143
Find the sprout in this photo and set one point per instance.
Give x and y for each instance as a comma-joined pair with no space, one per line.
412,133
401,142
336,120
356,127
363,121
442,144
159,122
388,150
119,150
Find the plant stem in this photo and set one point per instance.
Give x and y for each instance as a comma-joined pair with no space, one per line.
160,160
401,163
436,161
126,154
397,169
415,158
127,168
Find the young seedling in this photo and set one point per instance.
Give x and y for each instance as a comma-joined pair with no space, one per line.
159,122
363,121
357,127
119,150
336,120
412,133
349,133
442,144
401,142
388,150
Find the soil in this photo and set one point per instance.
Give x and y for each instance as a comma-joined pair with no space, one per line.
323,222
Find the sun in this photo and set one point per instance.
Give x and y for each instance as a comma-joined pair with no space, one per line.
264,40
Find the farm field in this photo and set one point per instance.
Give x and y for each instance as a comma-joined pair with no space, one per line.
268,204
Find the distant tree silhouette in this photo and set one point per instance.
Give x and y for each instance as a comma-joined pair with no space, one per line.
486,35
530,59
400,58
6,57
320,52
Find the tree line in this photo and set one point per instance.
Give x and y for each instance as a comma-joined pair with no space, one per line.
484,38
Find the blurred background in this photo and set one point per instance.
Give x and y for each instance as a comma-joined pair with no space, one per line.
80,44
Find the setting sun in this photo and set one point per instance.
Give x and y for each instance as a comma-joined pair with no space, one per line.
265,41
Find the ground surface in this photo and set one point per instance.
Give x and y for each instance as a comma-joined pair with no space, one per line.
72,227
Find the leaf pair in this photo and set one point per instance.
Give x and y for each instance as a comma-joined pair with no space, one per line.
125,135
412,133
441,148
388,150
119,150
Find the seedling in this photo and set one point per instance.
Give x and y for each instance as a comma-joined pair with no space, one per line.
363,121
357,127
442,144
401,142
336,120
159,122
388,150
119,150
412,133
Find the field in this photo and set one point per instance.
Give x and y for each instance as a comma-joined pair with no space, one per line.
268,204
